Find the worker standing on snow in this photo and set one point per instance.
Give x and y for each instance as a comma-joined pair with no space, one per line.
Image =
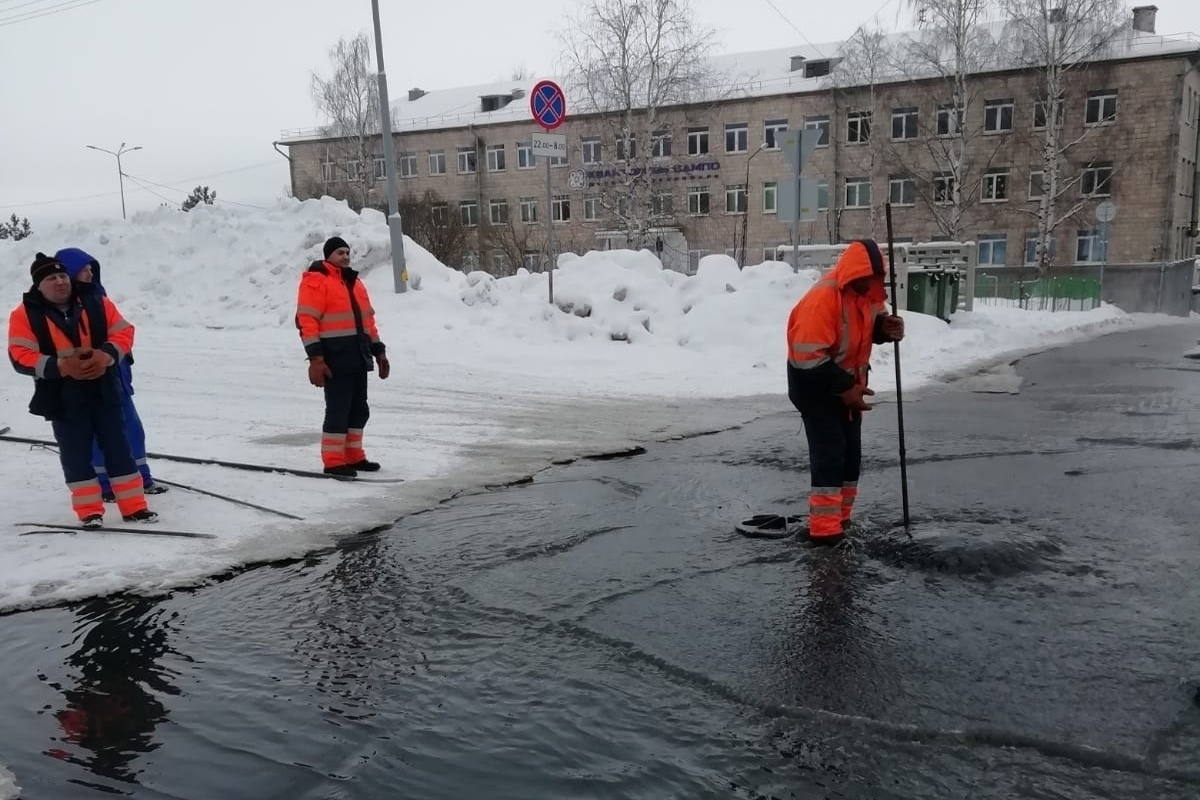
70,339
337,329
830,333
83,268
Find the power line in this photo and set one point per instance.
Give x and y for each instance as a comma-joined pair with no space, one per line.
148,189
47,11
785,18
139,181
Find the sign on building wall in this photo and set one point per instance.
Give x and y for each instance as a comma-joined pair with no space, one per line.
658,172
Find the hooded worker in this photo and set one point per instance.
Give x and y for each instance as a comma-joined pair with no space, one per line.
830,334
84,270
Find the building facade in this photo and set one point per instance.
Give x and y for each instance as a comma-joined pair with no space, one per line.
716,168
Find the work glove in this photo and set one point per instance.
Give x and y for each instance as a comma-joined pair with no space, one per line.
71,366
385,368
94,364
318,373
853,397
893,327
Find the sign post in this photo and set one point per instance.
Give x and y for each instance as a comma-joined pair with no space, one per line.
1106,212
798,147
549,107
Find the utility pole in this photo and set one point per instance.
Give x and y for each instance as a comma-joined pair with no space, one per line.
120,173
395,228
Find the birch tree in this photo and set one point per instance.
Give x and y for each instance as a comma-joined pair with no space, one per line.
627,61
944,57
1059,40
866,62
349,100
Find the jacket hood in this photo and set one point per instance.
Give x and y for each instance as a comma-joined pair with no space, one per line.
75,260
862,259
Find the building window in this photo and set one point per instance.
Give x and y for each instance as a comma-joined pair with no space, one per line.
529,209
437,162
697,199
902,190
439,214
1096,181
531,260
904,124
500,261
495,158
998,116
697,141
1036,184
660,144
626,147
663,204
823,196
1101,107
354,169
1041,113
328,171
737,137
735,199
993,249
560,208
858,127
1089,247
468,213
995,186
819,123
470,260
593,150
466,160
525,155
949,121
943,188
770,254
380,167
591,208
1031,248
773,131
770,198
408,165
498,212
858,192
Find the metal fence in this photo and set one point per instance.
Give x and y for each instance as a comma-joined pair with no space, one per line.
1053,293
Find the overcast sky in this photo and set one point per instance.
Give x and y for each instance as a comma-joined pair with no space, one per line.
205,86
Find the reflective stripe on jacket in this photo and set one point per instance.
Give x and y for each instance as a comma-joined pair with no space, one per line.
334,312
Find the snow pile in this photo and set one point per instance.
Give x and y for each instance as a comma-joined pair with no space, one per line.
490,381
8,785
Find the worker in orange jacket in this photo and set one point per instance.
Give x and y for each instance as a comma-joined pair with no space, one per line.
337,329
70,339
830,333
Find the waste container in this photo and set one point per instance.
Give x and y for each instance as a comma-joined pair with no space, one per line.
950,289
923,290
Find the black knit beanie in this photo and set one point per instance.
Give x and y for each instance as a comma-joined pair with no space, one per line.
44,266
333,244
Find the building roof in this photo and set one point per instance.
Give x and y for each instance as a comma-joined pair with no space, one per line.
758,73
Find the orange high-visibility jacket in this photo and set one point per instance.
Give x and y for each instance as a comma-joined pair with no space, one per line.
335,317
39,334
831,329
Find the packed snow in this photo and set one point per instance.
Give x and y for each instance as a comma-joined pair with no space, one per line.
490,382
9,790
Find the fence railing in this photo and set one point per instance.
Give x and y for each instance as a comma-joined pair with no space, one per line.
1052,293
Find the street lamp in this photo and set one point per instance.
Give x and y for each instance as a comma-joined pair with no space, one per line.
746,213
120,175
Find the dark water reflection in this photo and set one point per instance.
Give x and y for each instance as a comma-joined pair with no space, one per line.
602,633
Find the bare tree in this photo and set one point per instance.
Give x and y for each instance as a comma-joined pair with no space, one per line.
628,60
349,100
943,59
431,223
865,63
1060,39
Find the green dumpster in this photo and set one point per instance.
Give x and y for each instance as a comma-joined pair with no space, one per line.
951,285
922,291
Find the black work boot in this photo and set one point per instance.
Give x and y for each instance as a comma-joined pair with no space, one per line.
366,466
342,471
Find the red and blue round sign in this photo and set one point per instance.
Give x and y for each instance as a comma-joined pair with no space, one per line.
548,104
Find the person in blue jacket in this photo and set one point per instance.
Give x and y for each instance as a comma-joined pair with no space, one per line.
83,268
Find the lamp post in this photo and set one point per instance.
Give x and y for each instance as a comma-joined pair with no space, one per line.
395,228
746,213
122,150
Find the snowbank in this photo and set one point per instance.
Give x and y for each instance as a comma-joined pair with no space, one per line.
8,785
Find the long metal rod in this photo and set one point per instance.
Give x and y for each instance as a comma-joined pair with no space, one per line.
899,393
550,259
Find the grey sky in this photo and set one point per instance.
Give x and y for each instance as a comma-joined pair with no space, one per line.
205,86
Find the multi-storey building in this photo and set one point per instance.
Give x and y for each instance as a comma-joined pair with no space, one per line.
717,166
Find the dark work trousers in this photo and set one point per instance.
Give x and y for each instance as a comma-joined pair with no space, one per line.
835,460
346,401
86,418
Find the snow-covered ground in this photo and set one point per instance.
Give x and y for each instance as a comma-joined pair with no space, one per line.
489,381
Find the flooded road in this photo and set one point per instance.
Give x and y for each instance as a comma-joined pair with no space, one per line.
602,632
